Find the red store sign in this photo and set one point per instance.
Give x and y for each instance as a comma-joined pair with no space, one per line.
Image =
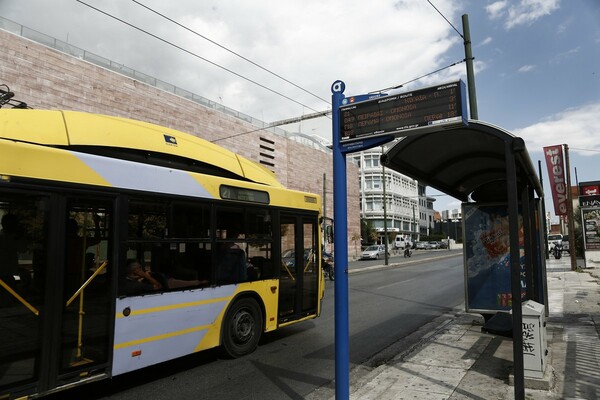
590,190
556,175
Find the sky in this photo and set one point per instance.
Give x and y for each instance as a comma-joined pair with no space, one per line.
537,62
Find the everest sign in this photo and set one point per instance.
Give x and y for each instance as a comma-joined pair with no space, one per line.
556,174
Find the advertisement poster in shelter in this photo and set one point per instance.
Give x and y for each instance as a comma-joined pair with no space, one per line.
591,223
589,203
487,257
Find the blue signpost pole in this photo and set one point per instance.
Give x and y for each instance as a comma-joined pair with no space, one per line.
354,142
340,218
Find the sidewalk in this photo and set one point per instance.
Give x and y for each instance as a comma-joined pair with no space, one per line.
455,360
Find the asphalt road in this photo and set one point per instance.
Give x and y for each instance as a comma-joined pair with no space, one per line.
386,304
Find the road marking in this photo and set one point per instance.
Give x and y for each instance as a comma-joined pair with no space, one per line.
395,283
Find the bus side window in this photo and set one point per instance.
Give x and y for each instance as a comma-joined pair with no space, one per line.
232,266
200,260
190,221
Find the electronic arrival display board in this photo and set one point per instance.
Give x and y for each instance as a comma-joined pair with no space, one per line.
401,114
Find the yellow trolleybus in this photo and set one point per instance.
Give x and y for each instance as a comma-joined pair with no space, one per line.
125,244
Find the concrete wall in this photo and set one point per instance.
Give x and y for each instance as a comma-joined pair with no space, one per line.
45,78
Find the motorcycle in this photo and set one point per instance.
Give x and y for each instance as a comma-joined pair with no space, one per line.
557,251
407,252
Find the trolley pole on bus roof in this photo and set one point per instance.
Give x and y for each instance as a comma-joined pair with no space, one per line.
340,216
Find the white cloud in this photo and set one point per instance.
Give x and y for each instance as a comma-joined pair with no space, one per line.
562,28
527,68
332,46
497,9
529,11
565,55
576,127
485,41
522,12
311,43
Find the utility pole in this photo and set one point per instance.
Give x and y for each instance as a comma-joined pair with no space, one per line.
570,219
470,71
415,225
384,212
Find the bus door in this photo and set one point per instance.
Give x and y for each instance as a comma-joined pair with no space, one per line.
54,317
24,221
87,291
299,274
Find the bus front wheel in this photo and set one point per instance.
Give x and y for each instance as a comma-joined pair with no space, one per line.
242,328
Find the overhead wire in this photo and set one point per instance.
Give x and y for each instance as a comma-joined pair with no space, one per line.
239,134
420,77
252,62
229,50
194,54
580,149
377,91
443,16
436,71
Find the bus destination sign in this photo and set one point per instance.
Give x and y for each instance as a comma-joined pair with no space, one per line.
406,113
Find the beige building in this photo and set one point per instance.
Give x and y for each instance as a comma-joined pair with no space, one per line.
47,73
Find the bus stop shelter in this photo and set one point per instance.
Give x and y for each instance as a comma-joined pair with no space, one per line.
480,162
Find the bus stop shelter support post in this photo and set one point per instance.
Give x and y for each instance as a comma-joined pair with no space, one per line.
515,271
340,216
529,242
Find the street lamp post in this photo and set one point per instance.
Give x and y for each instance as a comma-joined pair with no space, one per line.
384,213
456,221
416,226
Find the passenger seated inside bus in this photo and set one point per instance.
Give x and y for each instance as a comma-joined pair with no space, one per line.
232,266
139,281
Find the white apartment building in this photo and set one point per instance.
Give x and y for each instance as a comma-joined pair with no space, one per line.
455,214
402,194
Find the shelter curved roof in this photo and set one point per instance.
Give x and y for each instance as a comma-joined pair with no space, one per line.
468,162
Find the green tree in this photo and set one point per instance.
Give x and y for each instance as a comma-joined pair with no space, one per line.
356,239
367,232
391,236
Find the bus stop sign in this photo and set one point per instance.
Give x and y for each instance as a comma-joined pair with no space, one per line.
405,114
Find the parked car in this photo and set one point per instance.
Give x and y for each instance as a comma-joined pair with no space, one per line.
421,245
443,244
373,252
434,245
289,257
